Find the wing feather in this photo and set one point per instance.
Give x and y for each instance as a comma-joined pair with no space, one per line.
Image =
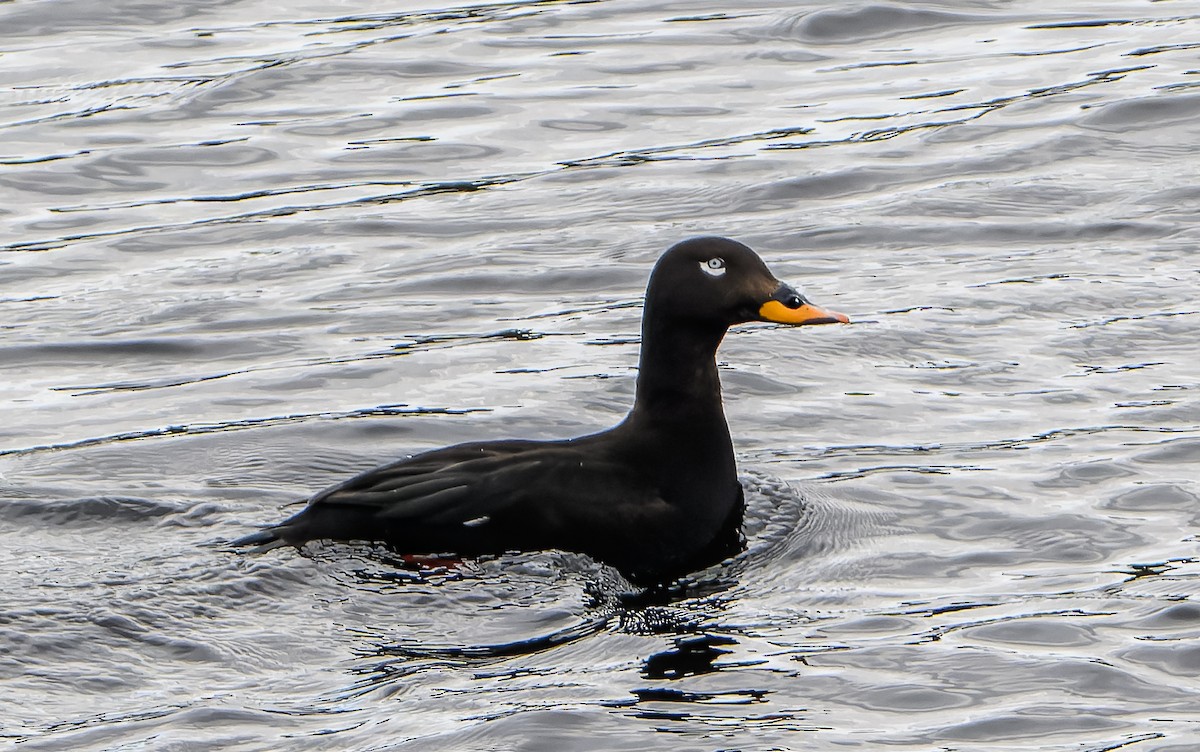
430,505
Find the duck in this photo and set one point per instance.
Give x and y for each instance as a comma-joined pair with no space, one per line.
656,496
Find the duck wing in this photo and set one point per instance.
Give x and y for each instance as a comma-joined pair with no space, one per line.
442,486
491,497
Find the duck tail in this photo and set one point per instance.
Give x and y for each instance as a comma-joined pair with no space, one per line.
262,541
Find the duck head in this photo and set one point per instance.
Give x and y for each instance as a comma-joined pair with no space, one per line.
717,281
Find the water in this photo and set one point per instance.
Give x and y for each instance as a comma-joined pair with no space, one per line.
249,249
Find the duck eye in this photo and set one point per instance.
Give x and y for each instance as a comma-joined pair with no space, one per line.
714,267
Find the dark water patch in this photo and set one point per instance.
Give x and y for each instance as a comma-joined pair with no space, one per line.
1029,632
1170,616
647,68
256,85
382,670
581,126
1172,452
871,624
421,153
1155,496
89,179
28,299
825,186
1158,49
112,510
419,191
1042,722
1178,660
309,366
392,140
238,425
867,22
453,112
674,111
481,654
1148,112
1088,369
647,698
358,71
935,94
718,16
230,152
874,64
1022,201
1105,22
144,352
758,384
788,56
42,158
21,22
689,656
1086,473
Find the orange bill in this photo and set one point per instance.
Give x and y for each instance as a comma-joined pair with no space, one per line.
806,313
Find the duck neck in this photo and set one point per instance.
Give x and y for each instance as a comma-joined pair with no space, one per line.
677,373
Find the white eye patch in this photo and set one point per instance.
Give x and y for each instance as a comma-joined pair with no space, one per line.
714,267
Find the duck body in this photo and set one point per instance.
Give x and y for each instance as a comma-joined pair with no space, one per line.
656,496
610,495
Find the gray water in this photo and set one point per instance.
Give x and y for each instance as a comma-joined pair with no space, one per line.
249,248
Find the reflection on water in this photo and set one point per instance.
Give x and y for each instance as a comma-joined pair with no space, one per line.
246,251
688,657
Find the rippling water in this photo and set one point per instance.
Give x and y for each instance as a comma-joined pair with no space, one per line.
249,248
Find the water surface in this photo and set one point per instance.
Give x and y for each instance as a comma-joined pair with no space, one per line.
248,249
